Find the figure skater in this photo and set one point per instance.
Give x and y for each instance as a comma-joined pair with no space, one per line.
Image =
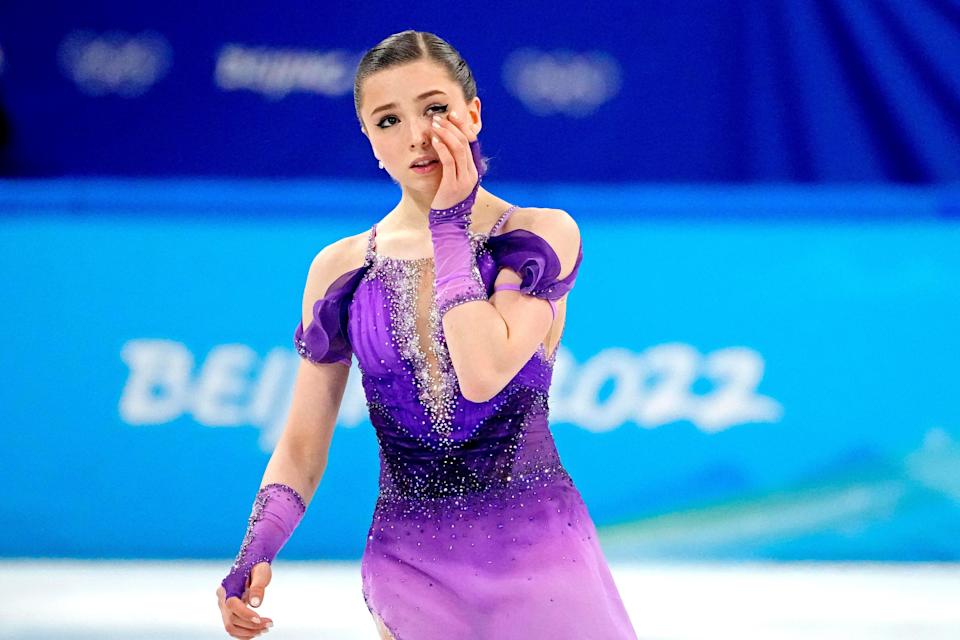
454,304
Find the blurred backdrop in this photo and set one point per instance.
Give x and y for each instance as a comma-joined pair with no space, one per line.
760,357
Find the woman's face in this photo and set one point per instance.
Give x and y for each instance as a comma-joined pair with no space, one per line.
397,107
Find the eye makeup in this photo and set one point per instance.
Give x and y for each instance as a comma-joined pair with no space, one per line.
441,108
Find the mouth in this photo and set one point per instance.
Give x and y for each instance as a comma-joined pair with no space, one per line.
425,167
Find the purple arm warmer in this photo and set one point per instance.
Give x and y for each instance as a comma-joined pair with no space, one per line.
277,511
456,276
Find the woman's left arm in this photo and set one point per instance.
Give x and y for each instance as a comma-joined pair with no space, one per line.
489,342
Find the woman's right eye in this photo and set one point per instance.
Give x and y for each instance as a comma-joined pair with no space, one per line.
385,118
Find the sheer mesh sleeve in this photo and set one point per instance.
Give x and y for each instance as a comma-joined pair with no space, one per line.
535,262
325,340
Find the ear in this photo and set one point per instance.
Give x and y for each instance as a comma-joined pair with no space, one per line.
473,112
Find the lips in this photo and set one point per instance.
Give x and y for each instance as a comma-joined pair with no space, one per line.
423,161
430,167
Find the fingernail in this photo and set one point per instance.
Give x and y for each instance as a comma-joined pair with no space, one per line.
269,624
454,114
256,620
255,601
436,124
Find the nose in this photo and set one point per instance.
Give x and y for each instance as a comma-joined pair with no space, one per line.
420,134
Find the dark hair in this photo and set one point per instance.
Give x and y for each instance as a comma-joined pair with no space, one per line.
409,46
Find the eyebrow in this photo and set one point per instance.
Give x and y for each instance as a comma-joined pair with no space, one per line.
391,105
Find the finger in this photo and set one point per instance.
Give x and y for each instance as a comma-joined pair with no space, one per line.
470,130
454,146
467,128
237,632
244,623
460,148
243,632
244,617
451,125
446,159
224,610
260,577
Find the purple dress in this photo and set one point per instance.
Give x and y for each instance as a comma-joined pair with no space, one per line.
478,531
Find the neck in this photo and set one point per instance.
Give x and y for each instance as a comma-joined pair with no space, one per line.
413,210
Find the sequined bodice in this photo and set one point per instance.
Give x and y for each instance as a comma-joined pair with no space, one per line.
416,328
433,441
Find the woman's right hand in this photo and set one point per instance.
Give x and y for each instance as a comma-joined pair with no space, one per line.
239,620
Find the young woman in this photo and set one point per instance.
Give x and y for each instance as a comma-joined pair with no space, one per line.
454,304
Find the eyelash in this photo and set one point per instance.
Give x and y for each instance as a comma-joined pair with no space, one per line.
442,108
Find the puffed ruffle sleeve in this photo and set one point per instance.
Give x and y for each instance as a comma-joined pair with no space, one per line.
325,340
535,261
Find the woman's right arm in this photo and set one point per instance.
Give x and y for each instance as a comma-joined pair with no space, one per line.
300,456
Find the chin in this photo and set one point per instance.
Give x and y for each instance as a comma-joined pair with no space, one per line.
423,186
427,182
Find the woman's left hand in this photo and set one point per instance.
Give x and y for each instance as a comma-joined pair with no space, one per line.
452,138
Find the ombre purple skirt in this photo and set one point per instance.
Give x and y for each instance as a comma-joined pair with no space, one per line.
478,531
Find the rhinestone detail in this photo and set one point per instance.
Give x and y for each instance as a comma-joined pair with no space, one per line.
272,491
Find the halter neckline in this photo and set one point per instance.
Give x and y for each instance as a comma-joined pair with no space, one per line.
371,240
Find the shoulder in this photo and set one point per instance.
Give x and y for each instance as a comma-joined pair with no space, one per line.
333,261
556,226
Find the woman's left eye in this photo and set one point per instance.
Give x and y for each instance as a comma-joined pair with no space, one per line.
440,108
